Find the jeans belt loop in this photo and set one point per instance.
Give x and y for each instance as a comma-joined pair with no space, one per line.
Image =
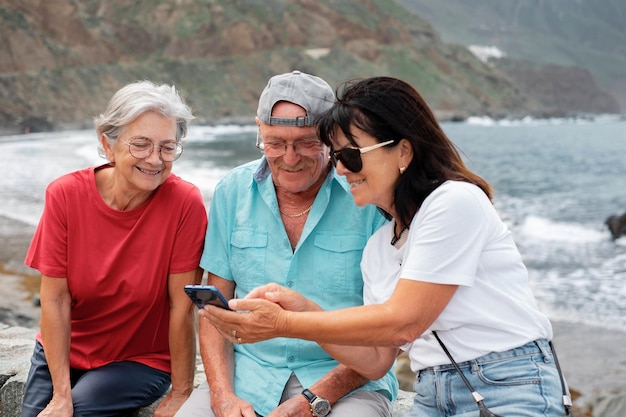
544,351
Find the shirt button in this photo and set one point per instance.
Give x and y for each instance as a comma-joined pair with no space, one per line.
290,284
291,359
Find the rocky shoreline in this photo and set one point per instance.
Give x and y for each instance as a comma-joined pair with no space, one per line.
16,345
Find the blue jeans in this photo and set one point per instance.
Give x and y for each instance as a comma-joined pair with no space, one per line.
521,382
116,389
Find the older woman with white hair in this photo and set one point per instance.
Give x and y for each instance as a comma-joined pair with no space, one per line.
115,246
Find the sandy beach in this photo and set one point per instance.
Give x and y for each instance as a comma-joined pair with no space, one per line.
593,358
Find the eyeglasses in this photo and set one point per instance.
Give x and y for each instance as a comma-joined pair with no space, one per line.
168,152
351,157
275,149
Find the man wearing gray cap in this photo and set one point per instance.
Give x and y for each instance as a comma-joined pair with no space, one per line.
286,218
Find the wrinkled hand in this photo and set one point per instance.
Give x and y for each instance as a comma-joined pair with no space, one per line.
288,299
58,408
254,320
231,406
296,406
170,404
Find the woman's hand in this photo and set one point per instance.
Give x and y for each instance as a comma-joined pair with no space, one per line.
171,403
58,407
252,321
288,299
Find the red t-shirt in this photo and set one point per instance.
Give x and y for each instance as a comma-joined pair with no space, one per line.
116,264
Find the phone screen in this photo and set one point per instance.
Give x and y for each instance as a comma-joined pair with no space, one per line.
202,295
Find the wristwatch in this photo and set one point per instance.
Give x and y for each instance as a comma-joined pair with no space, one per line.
320,407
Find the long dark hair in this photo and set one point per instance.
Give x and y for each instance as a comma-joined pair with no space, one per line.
388,108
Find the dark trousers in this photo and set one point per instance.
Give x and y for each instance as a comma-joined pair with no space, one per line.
116,389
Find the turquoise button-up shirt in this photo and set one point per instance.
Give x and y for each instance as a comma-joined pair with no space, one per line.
246,242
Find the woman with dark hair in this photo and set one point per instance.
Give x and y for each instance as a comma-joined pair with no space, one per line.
443,280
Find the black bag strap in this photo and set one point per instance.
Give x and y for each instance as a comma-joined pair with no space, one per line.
483,410
567,402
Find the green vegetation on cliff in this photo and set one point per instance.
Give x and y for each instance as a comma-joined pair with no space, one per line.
61,61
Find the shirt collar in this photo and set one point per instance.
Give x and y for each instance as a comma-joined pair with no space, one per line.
262,172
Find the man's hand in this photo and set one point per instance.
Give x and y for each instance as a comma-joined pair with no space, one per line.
297,406
231,406
286,298
170,404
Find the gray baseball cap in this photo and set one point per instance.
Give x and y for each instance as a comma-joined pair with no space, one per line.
308,91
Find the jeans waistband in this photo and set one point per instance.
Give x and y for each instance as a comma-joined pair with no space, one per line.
530,348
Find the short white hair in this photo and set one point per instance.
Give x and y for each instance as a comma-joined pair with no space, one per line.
135,99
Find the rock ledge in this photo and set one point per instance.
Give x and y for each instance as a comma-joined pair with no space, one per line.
16,348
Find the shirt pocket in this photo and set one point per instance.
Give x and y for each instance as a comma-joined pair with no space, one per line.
337,262
248,248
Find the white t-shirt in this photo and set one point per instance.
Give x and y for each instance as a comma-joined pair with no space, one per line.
457,238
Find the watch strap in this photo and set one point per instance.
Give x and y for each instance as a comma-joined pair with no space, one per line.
309,395
320,407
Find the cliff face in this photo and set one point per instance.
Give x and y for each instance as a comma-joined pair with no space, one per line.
557,89
61,60
588,34
45,34
65,33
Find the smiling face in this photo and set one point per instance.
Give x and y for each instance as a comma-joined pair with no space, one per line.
375,183
293,172
141,176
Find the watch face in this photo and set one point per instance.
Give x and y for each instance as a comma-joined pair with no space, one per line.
320,407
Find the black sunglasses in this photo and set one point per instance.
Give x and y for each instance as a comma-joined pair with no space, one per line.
351,157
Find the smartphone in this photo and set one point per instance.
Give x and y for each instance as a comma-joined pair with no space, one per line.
202,295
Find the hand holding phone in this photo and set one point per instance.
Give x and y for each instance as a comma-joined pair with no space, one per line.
202,295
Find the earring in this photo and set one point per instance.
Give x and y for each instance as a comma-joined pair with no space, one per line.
402,169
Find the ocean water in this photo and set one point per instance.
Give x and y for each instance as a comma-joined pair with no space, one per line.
555,181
